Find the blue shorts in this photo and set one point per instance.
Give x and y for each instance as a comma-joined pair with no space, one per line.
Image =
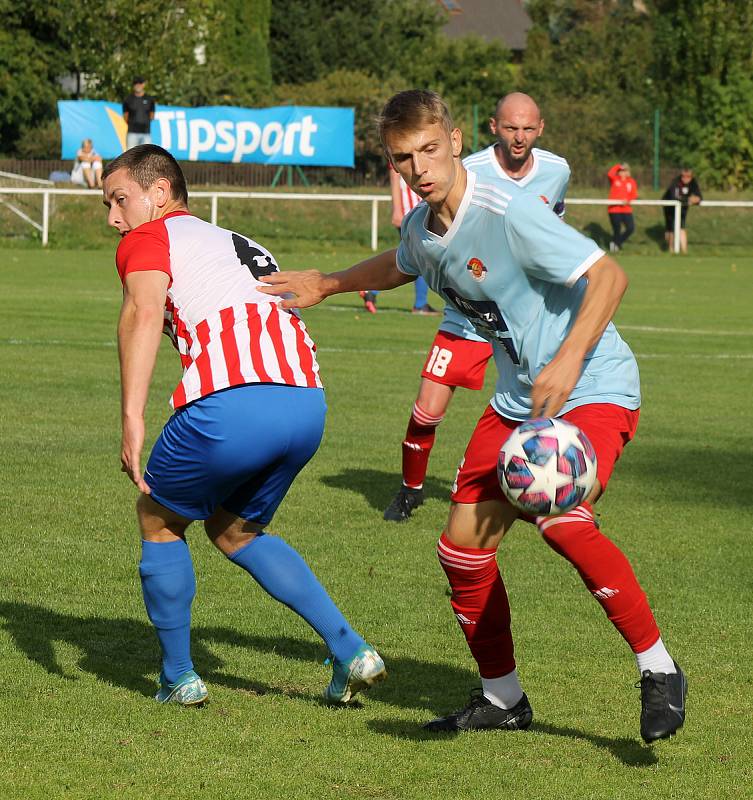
240,448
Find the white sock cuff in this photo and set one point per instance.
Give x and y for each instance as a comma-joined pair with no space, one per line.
422,418
656,659
504,691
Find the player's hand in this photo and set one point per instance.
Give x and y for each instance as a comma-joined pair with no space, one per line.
130,452
299,289
554,385
694,199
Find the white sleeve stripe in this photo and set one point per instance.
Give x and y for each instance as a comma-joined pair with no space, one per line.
584,266
551,159
490,194
494,190
494,209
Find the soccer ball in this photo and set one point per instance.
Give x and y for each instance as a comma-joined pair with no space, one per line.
546,466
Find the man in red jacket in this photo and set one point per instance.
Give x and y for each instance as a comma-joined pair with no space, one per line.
623,190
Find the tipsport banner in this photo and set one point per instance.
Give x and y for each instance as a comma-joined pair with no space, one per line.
294,135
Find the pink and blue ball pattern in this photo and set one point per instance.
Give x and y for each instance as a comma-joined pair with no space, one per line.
541,447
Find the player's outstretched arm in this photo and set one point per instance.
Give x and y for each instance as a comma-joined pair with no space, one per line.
309,287
139,330
553,385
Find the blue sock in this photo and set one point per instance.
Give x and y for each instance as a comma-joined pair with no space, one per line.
422,292
169,586
282,573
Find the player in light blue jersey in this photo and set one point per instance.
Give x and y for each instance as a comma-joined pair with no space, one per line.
458,355
544,296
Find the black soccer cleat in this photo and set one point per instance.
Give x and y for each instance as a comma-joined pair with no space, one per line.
481,715
403,504
662,703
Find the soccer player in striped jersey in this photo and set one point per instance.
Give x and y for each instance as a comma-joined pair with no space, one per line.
458,355
249,414
404,200
544,296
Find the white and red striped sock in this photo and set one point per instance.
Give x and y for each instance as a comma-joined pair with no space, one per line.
419,439
606,572
480,603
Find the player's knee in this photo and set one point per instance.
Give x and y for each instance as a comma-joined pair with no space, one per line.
558,530
157,523
229,533
479,525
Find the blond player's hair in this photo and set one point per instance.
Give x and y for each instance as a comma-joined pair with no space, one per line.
411,110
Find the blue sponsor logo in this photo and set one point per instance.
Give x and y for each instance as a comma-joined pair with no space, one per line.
300,135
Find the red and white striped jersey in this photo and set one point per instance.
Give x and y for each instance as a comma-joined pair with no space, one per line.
226,331
408,198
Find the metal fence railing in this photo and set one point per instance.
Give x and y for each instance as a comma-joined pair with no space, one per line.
375,199
214,198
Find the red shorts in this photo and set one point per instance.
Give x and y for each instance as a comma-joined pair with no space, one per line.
455,361
609,428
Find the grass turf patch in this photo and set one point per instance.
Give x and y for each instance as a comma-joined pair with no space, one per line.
80,659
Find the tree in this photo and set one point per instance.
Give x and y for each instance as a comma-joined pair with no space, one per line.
194,52
702,71
347,88
311,38
31,50
586,63
238,69
382,46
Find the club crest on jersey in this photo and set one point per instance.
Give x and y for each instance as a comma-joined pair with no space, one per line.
477,269
544,198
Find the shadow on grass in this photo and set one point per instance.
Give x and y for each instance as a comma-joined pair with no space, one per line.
694,475
656,234
379,487
599,234
124,652
630,752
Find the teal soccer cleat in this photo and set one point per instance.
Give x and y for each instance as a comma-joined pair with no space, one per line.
350,677
188,690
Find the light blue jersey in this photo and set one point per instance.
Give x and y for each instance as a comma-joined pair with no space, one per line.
548,177
515,269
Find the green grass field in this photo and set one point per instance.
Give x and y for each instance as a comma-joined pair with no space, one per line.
79,658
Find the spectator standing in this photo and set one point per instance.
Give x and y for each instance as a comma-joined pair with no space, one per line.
138,112
684,188
623,190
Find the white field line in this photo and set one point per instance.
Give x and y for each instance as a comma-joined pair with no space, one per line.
620,326
376,351
681,331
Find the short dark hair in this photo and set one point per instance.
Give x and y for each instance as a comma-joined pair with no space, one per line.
146,164
412,109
